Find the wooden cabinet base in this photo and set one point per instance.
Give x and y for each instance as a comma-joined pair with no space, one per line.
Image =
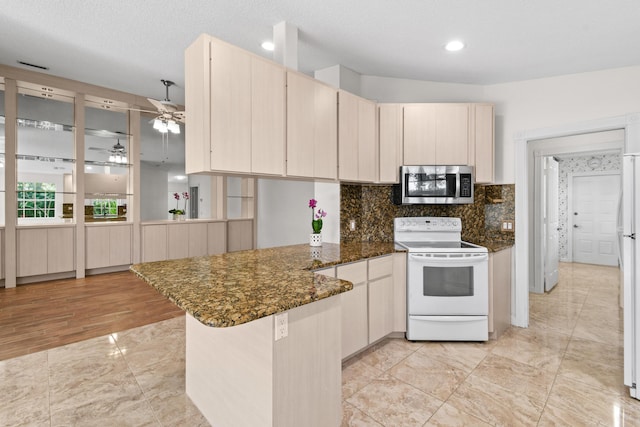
240,376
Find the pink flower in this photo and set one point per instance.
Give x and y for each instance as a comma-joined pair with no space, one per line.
321,214
185,195
313,203
176,196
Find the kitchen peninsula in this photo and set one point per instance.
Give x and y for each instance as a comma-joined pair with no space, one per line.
237,373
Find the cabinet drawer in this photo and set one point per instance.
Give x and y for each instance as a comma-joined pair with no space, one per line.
355,273
380,267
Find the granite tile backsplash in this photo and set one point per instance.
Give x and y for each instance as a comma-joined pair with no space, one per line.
372,210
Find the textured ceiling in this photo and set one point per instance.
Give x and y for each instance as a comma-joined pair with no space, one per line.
131,45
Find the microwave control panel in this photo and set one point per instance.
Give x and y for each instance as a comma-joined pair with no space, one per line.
466,187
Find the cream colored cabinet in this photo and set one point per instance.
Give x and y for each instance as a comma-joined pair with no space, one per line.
482,150
45,250
178,240
239,235
436,134
499,292
400,292
357,144
198,239
216,238
154,242
312,120
380,283
354,307
107,245
390,142
235,102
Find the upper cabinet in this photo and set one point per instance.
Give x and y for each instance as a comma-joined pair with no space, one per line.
482,155
312,128
235,103
436,134
357,147
390,140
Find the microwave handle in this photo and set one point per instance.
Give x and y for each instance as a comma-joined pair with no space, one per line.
473,259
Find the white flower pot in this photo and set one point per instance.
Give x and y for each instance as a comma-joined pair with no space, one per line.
315,239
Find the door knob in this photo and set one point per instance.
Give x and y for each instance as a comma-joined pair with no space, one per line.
575,225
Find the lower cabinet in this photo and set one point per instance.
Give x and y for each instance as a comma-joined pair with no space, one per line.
380,282
45,250
239,234
108,245
499,292
355,328
183,240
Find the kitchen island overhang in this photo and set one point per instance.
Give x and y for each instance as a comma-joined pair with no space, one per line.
236,372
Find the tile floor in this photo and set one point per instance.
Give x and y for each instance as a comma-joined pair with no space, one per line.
565,370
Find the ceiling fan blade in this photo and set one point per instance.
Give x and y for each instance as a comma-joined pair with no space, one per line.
179,116
162,108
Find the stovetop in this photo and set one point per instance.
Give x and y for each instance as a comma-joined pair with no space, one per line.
432,234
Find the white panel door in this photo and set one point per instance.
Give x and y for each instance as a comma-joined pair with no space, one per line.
595,200
552,253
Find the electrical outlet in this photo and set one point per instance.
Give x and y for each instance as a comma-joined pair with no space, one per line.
508,226
282,325
352,224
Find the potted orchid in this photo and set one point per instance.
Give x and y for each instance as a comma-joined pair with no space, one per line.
179,213
315,239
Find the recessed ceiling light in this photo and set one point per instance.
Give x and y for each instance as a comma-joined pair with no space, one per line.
268,46
454,46
181,177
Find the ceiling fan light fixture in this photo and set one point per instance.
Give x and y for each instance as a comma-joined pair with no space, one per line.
112,158
173,127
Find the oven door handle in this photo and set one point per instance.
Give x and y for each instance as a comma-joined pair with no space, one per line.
449,261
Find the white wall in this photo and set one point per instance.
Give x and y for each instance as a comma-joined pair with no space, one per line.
328,196
389,89
153,194
203,182
555,101
284,216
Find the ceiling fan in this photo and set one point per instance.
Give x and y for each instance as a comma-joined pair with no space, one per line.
169,115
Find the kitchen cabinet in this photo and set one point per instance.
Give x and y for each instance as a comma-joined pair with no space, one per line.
390,129
499,292
436,134
357,144
400,292
108,245
380,284
235,101
239,235
354,308
45,250
482,148
183,239
312,128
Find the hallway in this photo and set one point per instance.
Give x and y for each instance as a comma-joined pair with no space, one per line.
566,369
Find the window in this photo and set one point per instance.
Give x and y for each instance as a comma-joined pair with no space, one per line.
105,208
36,200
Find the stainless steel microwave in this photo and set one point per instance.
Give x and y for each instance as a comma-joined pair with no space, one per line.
441,185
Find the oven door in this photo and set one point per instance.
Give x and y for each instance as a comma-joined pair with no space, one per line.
448,284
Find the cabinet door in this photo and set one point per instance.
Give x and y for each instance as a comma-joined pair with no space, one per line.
216,238
239,235
300,125
348,136
380,308
390,142
198,241
499,292
419,134
355,333
312,128
178,241
97,250
400,292
452,134
367,141
484,143
325,150
154,243
268,89
32,252
120,250
230,108
61,254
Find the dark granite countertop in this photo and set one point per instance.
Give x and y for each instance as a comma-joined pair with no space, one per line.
495,245
238,287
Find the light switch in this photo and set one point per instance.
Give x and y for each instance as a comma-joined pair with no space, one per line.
282,325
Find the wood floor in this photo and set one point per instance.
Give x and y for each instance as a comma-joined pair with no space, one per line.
45,315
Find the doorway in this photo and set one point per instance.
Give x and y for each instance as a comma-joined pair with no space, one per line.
593,211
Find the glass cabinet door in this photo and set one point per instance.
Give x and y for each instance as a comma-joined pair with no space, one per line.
45,161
